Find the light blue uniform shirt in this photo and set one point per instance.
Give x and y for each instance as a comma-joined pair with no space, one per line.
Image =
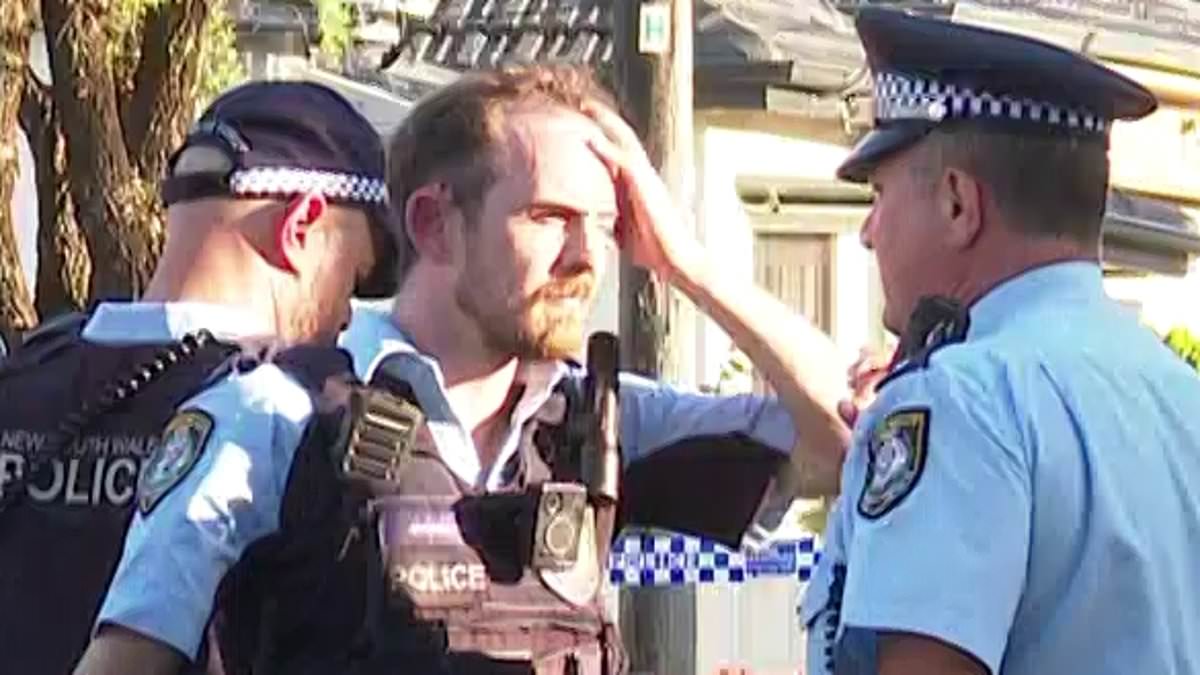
119,323
175,557
1054,523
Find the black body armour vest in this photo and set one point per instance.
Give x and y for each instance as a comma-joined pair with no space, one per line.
77,421
414,572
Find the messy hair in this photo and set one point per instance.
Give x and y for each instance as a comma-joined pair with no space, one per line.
453,135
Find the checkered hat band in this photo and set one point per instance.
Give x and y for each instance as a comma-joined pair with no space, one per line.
900,97
677,560
275,181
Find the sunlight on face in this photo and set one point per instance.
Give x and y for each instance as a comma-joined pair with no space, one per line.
536,253
343,249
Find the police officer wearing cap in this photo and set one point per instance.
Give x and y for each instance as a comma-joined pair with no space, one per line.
1019,498
273,204
498,467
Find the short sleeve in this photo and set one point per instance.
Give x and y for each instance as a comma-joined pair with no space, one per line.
201,518
940,514
657,417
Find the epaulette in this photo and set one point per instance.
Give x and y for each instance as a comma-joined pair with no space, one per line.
69,325
47,339
312,365
936,322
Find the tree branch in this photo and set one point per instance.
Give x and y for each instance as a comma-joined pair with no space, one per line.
159,111
16,24
63,262
111,206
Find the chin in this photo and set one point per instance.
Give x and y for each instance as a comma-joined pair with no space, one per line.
891,324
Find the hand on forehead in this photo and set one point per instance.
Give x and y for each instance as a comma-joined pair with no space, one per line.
555,147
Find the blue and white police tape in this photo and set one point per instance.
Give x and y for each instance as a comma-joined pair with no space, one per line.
676,560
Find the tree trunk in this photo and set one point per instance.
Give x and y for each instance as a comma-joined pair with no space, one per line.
16,24
164,87
112,207
63,263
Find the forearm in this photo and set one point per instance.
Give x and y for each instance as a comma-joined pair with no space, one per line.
118,651
799,360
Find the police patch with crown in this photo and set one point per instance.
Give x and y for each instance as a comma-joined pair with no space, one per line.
896,456
181,445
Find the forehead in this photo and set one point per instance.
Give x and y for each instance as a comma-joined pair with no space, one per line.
547,158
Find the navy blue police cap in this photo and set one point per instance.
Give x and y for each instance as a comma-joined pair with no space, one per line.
931,73
280,139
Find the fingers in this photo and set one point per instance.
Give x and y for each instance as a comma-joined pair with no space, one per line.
611,123
614,158
848,411
868,369
609,154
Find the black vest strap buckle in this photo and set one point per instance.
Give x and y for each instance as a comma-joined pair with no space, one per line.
379,434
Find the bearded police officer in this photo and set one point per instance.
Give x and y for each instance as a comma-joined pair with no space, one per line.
490,458
1020,497
262,239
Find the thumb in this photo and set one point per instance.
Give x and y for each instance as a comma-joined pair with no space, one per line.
848,411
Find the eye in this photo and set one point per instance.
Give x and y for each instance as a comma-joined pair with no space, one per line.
552,217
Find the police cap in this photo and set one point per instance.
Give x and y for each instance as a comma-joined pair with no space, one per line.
281,139
931,73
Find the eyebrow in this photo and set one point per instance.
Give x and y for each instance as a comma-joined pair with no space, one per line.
551,204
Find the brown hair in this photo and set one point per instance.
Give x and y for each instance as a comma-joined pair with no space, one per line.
451,135
1044,185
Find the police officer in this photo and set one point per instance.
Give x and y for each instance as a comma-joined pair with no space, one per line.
1017,499
272,206
483,546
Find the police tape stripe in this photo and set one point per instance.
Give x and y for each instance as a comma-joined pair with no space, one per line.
676,560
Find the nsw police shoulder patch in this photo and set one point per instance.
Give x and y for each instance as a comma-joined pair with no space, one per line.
180,446
896,455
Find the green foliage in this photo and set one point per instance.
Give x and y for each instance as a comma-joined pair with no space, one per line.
220,67
737,374
1186,345
334,23
123,47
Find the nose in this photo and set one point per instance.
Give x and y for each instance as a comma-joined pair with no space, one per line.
583,244
866,233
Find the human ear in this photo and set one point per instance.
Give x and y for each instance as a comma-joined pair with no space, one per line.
960,201
292,229
428,213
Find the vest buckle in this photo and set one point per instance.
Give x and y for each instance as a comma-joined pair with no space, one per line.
379,435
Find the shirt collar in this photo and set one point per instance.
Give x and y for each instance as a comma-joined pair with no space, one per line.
373,335
1060,283
136,322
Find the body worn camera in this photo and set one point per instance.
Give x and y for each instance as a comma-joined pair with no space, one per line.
561,508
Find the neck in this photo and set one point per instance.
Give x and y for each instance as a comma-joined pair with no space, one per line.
479,381
1000,261
212,268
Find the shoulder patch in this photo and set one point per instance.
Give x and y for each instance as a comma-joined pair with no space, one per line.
896,453
181,444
